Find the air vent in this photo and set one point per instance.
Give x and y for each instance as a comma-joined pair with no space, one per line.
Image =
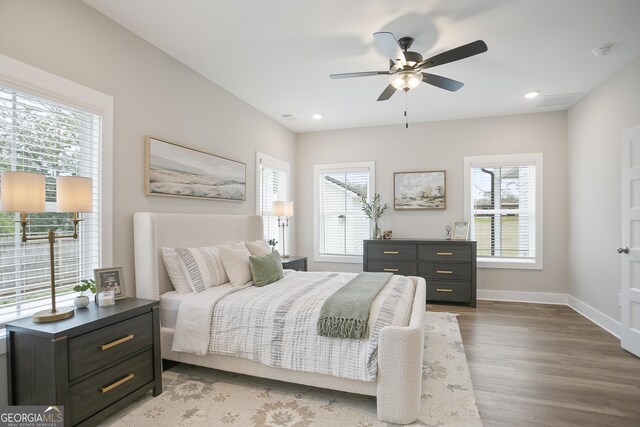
565,100
288,117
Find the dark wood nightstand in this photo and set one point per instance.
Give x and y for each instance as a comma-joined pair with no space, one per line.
94,363
298,263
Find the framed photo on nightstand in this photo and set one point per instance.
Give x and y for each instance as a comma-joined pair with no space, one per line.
110,279
460,230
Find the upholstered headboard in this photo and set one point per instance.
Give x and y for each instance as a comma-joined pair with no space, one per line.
153,231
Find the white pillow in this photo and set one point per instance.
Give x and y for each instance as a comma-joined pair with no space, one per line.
202,267
233,245
258,247
236,264
172,265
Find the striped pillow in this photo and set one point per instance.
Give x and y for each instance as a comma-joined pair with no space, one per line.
202,267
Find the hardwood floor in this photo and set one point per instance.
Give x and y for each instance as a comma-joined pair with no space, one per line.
546,365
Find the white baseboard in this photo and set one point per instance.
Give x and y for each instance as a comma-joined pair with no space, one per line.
599,318
515,296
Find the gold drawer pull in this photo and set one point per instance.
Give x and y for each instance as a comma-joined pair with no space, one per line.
444,290
116,342
444,271
444,253
391,252
116,384
390,269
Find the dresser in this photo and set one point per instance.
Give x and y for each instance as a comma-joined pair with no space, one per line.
448,266
94,363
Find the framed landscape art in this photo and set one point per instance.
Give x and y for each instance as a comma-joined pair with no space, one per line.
174,170
419,190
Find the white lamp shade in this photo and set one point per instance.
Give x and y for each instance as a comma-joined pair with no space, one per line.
22,192
284,209
74,194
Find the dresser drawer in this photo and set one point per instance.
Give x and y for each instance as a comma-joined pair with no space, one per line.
448,291
444,253
93,350
444,271
101,390
395,267
391,251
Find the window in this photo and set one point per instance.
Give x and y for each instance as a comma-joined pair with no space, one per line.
53,136
273,185
503,203
340,224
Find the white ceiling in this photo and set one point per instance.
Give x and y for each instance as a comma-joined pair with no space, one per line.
277,55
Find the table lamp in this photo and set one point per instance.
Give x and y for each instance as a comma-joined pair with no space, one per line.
283,209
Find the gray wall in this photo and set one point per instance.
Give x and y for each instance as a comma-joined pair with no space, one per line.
595,128
153,94
443,145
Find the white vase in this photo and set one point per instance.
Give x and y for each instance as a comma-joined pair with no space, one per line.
81,301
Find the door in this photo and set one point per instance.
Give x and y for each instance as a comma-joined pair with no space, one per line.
630,249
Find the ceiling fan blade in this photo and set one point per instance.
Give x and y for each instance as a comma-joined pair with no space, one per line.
389,45
442,82
360,74
386,94
455,54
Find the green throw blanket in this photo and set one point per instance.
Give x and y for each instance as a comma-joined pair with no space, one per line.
345,314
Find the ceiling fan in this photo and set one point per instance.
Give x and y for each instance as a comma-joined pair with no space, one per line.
405,67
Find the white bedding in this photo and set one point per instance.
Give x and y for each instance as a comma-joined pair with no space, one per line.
169,306
276,324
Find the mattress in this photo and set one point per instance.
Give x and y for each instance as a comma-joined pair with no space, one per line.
169,304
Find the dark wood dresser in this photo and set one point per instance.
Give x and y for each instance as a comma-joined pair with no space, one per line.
448,266
94,363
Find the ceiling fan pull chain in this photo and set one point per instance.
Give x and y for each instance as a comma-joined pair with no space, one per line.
406,119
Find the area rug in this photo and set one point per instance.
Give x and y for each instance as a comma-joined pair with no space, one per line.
206,397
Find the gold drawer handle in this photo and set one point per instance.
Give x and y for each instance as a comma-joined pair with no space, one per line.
391,252
390,269
116,342
444,271
444,253
116,384
444,290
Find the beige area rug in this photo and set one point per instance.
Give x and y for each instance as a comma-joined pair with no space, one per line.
207,397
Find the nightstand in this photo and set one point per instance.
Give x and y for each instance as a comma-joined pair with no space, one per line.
298,263
94,363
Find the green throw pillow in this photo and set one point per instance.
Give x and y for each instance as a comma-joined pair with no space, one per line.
266,269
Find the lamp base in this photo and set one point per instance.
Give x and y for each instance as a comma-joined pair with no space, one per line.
52,316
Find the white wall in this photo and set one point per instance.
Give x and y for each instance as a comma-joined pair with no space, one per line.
443,145
595,128
153,94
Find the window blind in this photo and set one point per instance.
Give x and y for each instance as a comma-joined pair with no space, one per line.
343,225
504,209
273,187
44,136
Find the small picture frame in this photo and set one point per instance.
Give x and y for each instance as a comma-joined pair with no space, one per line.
460,230
110,279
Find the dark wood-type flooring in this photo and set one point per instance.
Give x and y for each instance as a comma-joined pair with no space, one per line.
546,365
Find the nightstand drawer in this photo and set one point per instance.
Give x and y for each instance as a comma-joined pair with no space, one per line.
391,251
101,390
444,271
395,267
448,291
93,350
444,253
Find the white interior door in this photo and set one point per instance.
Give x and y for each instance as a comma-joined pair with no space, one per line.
630,248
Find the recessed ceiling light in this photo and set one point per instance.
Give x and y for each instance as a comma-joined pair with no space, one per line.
316,116
532,94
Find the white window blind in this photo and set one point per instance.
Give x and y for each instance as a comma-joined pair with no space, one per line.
273,186
504,209
342,224
43,136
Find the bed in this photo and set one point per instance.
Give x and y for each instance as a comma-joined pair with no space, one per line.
398,381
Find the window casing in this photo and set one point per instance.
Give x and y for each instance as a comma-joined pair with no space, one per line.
503,204
273,185
340,225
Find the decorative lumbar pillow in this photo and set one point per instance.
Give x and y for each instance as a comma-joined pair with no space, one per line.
202,267
236,264
258,247
266,269
172,265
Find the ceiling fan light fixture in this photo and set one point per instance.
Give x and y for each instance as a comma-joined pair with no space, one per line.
405,80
